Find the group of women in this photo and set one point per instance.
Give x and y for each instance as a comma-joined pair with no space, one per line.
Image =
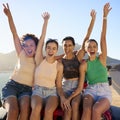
49,80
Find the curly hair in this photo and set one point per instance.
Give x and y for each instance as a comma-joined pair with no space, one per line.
30,36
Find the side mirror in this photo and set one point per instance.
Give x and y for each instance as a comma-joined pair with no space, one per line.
110,80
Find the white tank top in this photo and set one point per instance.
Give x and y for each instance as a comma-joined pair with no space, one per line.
24,70
45,74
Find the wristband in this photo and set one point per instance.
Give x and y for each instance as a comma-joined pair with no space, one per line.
105,18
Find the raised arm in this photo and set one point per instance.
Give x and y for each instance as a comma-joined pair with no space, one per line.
12,28
103,45
81,52
39,52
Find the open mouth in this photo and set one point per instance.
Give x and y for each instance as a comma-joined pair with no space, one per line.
50,54
92,53
29,51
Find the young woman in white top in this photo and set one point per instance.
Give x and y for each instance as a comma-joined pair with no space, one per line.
16,93
48,70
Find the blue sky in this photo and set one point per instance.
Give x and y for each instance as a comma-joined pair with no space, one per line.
68,17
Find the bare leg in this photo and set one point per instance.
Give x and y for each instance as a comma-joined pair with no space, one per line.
24,104
50,107
11,105
75,108
68,114
87,107
36,104
100,107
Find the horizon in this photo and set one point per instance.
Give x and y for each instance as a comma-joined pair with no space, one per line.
60,50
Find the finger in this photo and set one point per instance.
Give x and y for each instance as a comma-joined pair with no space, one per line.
7,6
4,6
66,106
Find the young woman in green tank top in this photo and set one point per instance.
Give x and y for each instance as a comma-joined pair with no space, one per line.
97,96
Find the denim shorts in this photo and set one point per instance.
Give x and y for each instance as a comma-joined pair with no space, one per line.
14,89
69,86
44,92
99,91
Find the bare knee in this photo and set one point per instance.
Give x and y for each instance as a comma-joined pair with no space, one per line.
75,103
68,112
96,113
36,104
49,110
25,106
37,108
14,110
87,104
51,105
11,107
95,110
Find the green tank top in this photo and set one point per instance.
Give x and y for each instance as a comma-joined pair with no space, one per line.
96,72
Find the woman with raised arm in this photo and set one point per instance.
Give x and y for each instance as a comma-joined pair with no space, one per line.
70,91
48,70
17,92
97,96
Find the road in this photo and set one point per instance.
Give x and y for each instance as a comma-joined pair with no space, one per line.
115,80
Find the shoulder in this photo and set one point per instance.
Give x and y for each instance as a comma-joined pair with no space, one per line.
60,60
80,54
102,60
59,65
83,65
22,53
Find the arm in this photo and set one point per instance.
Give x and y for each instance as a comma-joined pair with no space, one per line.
59,84
103,55
39,52
81,52
13,29
59,57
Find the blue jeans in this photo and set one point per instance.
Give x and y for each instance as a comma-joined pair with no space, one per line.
99,91
44,92
14,89
69,86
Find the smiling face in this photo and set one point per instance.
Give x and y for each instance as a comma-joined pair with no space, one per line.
51,49
68,46
29,47
91,48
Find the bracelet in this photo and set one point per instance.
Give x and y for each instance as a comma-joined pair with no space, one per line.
105,18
